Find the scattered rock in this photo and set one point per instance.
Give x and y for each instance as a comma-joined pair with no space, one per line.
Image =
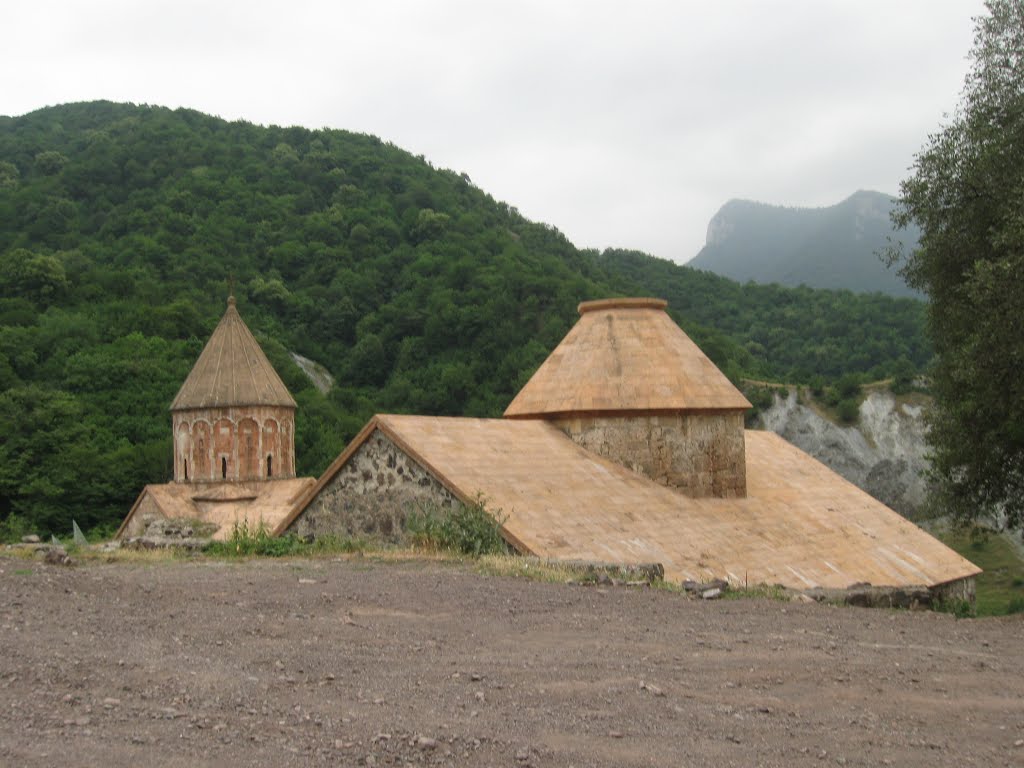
425,742
867,596
708,590
31,539
164,533
55,556
651,689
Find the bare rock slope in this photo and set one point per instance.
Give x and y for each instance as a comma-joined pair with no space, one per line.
885,454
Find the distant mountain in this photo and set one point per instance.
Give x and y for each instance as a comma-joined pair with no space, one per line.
834,247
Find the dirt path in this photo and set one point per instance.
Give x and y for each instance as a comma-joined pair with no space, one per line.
355,663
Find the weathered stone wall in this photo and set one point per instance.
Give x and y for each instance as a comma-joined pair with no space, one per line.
701,454
372,495
961,589
236,444
145,513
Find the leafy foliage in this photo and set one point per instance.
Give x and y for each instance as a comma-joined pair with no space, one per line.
247,540
966,193
121,228
466,528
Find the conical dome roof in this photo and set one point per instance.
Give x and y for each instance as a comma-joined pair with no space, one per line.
232,371
625,355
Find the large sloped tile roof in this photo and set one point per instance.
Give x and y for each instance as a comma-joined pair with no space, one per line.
232,371
801,524
625,355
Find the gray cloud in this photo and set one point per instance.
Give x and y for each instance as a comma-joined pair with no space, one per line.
621,124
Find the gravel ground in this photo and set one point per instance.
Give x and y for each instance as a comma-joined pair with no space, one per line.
355,662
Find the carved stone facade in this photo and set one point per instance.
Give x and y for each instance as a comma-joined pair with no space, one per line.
372,495
701,454
239,443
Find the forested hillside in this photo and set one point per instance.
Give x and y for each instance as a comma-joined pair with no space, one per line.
122,228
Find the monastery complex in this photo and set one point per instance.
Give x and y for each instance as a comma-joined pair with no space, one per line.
626,446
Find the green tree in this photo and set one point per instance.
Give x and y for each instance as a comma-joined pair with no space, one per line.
966,192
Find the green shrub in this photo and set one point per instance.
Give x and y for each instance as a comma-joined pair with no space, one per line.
848,411
256,540
466,528
13,528
962,609
848,386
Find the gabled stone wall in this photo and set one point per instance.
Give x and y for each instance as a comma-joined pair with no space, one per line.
700,454
372,495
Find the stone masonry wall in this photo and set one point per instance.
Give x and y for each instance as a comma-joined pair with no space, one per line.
700,454
146,513
372,495
238,444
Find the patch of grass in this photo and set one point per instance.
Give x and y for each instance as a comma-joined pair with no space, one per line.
1000,589
247,540
468,529
756,592
962,609
23,572
257,541
344,545
525,568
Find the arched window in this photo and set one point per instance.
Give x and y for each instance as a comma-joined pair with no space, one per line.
270,465
186,469
224,468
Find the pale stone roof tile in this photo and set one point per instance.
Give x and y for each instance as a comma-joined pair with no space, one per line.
625,355
800,525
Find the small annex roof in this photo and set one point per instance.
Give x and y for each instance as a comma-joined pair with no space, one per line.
220,504
232,371
625,355
801,525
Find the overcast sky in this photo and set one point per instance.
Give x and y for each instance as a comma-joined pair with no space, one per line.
623,124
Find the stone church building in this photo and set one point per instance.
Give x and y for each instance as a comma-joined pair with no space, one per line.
233,422
626,446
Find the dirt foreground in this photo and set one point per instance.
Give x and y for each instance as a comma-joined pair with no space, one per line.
352,662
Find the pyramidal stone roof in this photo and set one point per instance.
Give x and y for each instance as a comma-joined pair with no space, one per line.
232,371
625,355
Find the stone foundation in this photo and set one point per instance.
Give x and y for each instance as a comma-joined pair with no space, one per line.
700,454
953,591
372,495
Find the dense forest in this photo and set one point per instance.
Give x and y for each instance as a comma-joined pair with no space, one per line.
123,228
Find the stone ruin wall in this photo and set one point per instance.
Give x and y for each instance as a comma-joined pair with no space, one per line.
700,454
146,512
249,440
372,495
